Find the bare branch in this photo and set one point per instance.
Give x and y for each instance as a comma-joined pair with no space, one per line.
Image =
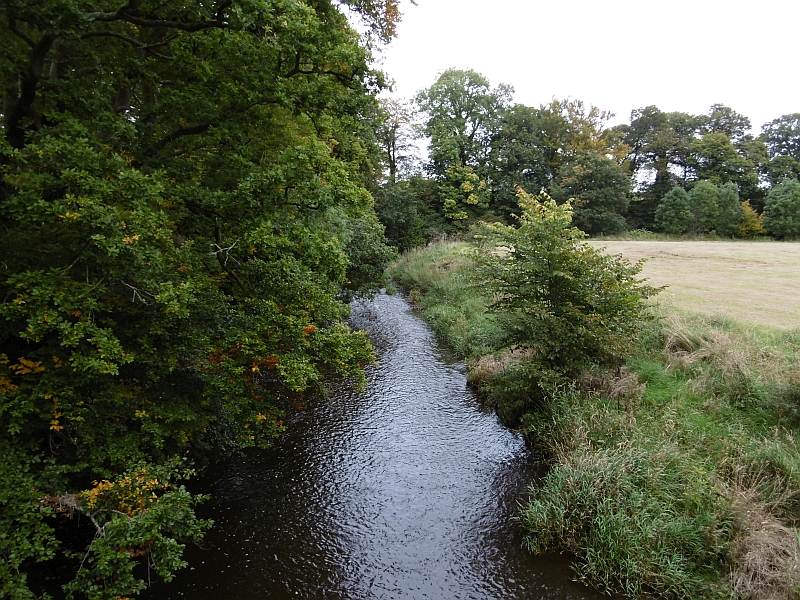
224,262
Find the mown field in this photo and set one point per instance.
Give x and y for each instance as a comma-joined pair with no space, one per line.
753,282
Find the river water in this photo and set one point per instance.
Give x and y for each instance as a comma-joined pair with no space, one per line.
406,491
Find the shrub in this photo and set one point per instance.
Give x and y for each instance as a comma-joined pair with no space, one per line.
565,303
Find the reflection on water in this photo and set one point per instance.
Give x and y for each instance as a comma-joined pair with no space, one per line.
405,491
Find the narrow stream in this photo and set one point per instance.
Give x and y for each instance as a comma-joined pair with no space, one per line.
406,491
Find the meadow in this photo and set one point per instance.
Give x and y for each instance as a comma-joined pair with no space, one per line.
752,282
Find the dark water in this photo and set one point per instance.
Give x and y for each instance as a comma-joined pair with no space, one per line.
406,491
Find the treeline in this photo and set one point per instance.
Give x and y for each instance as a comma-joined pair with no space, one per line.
669,172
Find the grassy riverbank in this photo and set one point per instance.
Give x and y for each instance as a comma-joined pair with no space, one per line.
678,475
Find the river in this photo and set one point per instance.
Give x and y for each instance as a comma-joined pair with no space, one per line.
408,490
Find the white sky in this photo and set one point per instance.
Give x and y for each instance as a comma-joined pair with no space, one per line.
682,55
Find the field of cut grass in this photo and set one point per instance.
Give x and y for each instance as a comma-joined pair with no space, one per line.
753,282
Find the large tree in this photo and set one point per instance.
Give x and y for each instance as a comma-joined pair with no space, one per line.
182,207
463,114
782,138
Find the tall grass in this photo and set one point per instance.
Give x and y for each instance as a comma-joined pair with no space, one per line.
677,476
436,279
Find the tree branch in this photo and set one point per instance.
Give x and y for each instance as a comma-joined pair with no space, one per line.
224,263
130,40
12,25
182,132
126,13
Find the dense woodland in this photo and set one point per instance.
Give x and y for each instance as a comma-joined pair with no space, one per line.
189,197
669,172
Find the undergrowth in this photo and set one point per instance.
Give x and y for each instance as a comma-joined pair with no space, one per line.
675,476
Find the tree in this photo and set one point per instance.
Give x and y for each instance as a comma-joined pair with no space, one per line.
731,212
752,224
716,159
674,212
533,146
463,115
564,304
782,138
396,137
722,119
704,202
659,156
782,210
181,205
463,194
599,187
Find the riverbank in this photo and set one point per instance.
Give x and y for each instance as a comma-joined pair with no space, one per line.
677,476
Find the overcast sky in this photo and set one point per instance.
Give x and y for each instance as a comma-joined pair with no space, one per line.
682,55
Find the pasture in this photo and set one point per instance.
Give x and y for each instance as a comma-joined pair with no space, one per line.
753,282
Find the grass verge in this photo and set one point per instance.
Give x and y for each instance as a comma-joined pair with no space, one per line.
677,476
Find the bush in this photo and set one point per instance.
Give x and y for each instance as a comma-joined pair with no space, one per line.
565,303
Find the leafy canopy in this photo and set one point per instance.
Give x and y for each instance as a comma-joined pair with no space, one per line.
182,210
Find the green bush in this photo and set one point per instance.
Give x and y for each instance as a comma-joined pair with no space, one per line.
567,305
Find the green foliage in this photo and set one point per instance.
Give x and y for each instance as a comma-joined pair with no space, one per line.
599,188
411,212
731,212
463,193
463,115
563,303
782,138
704,201
674,212
782,210
182,210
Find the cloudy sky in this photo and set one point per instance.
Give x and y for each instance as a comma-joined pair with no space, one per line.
682,55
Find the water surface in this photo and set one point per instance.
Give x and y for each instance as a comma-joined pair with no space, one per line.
406,491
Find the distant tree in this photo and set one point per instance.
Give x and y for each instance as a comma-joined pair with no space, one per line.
782,138
674,212
463,114
659,157
395,136
731,212
410,211
464,194
526,151
752,224
533,145
599,186
704,201
716,159
722,119
782,210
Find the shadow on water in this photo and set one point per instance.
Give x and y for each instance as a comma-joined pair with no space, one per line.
406,491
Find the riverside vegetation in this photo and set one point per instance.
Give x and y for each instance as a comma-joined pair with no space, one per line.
674,472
